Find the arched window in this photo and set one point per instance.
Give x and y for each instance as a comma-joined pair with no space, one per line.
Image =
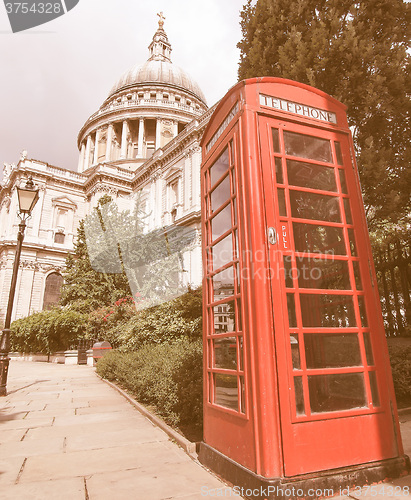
52,291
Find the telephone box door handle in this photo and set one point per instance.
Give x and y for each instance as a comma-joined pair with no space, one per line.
272,236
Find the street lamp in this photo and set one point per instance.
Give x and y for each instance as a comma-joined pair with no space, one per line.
28,196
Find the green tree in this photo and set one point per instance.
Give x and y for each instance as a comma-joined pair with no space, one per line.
86,288
358,52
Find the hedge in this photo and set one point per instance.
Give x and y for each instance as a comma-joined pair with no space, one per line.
400,356
48,331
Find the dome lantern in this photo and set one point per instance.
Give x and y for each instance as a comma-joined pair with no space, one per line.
160,47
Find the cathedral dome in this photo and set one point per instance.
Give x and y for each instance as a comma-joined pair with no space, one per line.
148,106
158,72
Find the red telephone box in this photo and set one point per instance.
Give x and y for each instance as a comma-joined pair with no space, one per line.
297,382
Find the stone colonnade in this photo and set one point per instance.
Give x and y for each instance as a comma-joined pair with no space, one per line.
127,139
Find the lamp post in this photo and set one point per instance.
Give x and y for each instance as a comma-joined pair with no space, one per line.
28,196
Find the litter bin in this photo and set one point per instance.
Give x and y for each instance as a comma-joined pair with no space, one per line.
100,349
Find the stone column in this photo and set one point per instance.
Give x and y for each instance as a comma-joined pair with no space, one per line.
159,192
158,130
175,128
109,141
81,157
187,179
140,138
152,203
124,141
95,157
87,157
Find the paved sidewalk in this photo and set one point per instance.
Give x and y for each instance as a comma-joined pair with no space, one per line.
65,434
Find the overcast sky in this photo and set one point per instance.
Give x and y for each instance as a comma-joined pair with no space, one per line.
55,76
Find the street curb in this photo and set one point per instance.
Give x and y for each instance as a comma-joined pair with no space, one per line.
404,411
188,446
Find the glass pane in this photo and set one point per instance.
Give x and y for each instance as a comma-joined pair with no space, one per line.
220,194
238,273
363,312
336,392
239,326
221,222
279,171
225,353
242,395
310,175
347,210
276,140
219,167
368,349
307,146
233,189
224,318
292,320
234,202
241,352
322,239
281,202
314,206
287,271
223,283
343,182
352,242
299,395
320,273
236,244
295,352
327,310
226,391
374,389
231,152
209,354
357,274
338,153
223,252
329,350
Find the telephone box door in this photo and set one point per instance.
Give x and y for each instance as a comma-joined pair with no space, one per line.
328,352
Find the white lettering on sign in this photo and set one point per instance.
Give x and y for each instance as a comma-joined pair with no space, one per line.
284,236
298,109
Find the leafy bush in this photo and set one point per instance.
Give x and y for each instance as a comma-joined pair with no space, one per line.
128,329
400,356
48,331
166,376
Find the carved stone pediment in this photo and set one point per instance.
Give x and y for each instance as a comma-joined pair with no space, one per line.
65,202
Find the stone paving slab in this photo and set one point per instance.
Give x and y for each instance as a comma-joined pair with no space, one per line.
141,434
13,435
84,430
61,489
65,434
148,483
9,469
86,462
35,447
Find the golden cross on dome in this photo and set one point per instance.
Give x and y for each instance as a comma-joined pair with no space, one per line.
161,20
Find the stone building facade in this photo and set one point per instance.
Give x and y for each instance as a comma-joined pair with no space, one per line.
144,141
